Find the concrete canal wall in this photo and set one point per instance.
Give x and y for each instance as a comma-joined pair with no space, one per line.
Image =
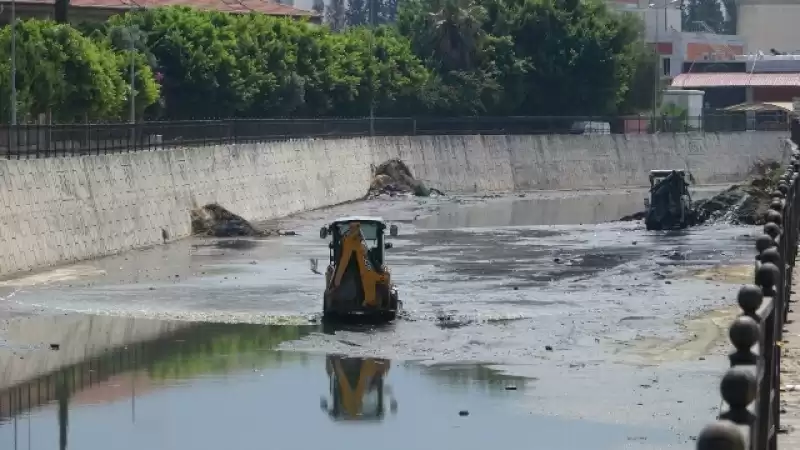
58,210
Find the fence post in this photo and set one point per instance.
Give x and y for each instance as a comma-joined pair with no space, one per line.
755,376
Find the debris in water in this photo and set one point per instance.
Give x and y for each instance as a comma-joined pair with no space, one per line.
394,177
214,220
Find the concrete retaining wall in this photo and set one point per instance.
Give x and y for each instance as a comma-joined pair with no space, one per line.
59,210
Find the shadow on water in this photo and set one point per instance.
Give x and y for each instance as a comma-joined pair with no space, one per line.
196,387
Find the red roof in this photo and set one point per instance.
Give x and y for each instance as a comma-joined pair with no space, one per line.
699,80
269,7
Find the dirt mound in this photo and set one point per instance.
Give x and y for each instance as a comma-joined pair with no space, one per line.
214,220
393,177
743,204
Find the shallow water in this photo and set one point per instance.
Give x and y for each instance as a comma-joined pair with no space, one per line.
225,385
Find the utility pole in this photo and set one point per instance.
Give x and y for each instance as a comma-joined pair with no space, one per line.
133,79
372,53
13,62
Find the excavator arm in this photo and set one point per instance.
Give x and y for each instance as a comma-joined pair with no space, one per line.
353,246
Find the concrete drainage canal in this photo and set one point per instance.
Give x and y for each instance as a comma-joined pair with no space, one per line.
534,317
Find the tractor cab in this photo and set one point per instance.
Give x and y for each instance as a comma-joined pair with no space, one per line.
357,388
372,229
670,202
657,176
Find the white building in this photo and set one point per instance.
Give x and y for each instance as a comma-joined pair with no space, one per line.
663,28
770,24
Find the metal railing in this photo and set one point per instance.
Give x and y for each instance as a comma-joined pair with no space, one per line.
42,141
751,387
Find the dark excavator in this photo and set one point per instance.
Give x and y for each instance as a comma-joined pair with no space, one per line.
357,281
670,204
357,388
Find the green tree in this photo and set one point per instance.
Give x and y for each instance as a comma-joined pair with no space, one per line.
61,72
731,16
643,90
525,57
336,15
370,12
219,65
447,33
700,14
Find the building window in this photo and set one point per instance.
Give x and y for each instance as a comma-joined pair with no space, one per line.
666,67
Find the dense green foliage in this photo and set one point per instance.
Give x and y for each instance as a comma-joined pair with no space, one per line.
531,57
66,74
441,57
221,65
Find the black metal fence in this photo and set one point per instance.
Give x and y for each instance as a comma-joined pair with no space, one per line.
751,387
26,141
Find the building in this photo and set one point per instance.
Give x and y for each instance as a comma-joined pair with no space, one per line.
760,88
747,79
99,10
770,24
663,29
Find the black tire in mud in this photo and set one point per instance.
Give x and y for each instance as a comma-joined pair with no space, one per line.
388,316
652,225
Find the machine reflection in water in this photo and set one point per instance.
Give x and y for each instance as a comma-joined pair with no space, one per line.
357,388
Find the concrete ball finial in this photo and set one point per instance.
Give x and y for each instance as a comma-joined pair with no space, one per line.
772,230
721,435
743,333
750,298
738,387
771,255
766,276
774,216
764,242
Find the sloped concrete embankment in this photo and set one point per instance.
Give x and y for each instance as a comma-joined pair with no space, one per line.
60,210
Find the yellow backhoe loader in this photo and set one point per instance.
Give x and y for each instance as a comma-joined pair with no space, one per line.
357,281
357,388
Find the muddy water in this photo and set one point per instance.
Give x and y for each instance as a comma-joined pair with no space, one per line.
550,208
531,287
216,385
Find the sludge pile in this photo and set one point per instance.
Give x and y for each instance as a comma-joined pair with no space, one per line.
742,204
214,220
393,177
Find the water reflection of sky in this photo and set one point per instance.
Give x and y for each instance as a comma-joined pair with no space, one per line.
278,406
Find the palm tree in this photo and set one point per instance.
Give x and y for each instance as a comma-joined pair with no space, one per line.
456,32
